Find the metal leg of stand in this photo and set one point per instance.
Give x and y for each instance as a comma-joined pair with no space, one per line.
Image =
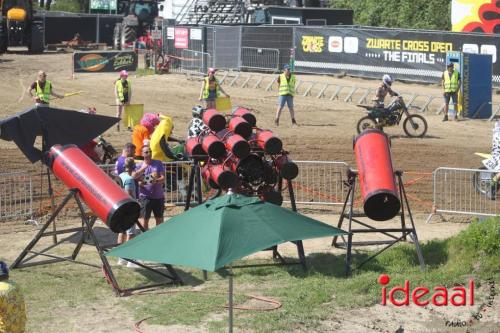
400,183
414,233
342,215
199,195
350,235
52,204
42,230
104,260
190,187
85,233
299,244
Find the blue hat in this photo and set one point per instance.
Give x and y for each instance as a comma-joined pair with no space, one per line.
3,269
286,66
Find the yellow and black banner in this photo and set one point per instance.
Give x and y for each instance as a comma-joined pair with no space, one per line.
405,54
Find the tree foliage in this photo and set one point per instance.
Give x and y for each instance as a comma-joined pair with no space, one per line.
410,14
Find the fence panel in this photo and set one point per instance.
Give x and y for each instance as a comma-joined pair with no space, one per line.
260,58
320,183
195,61
464,191
16,195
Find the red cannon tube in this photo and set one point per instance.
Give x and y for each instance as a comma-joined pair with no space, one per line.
247,115
194,147
218,176
234,143
240,126
213,146
288,169
376,175
268,142
103,196
214,120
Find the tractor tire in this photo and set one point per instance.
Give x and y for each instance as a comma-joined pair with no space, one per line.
129,34
117,45
3,37
36,44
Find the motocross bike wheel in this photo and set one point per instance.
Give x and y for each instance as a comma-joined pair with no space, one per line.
415,126
482,181
366,123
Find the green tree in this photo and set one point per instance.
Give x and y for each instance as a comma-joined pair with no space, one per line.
409,14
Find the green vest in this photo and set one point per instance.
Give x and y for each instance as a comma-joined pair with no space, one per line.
119,89
206,90
43,95
287,87
450,84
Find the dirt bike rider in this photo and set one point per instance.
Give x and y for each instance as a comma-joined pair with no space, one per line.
196,126
493,163
382,91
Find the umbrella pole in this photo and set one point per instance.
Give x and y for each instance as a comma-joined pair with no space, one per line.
230,299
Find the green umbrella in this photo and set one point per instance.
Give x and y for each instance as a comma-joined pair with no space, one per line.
222,230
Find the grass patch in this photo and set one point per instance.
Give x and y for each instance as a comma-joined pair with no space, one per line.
308,297
144,71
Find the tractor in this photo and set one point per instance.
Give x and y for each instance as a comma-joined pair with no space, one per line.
19,26
139,18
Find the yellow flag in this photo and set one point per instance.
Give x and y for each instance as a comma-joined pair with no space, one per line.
132,114
223,104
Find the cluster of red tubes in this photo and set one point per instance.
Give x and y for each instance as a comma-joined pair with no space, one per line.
237,155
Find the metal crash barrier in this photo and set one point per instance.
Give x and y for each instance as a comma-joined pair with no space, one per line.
463,191
16,195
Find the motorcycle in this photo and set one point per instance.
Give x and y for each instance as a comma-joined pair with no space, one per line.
482,180
414,125
107,153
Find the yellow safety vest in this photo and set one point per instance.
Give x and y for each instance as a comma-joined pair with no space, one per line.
450,84
43,95
119,89
287,87
206,90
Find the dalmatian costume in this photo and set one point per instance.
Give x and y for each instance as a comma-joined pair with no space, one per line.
196,126
493,163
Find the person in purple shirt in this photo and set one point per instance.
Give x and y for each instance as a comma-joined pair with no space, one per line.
128,151
151,176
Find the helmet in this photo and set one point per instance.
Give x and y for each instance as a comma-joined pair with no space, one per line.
124,74
198,111
387,79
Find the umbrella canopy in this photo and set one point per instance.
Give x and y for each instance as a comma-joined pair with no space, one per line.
57,126
220,231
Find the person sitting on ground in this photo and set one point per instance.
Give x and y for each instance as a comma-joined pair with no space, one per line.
382,91
12,308
211,89
128,151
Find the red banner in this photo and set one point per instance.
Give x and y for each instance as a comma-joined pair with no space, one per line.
181,38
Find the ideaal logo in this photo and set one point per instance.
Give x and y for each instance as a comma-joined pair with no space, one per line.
92,62
422,296
439,296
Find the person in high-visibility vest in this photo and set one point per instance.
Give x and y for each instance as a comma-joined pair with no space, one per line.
43,89
12,308
211,89
286,84
123,93
450,81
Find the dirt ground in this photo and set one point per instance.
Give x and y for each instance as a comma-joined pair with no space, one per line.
325,132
